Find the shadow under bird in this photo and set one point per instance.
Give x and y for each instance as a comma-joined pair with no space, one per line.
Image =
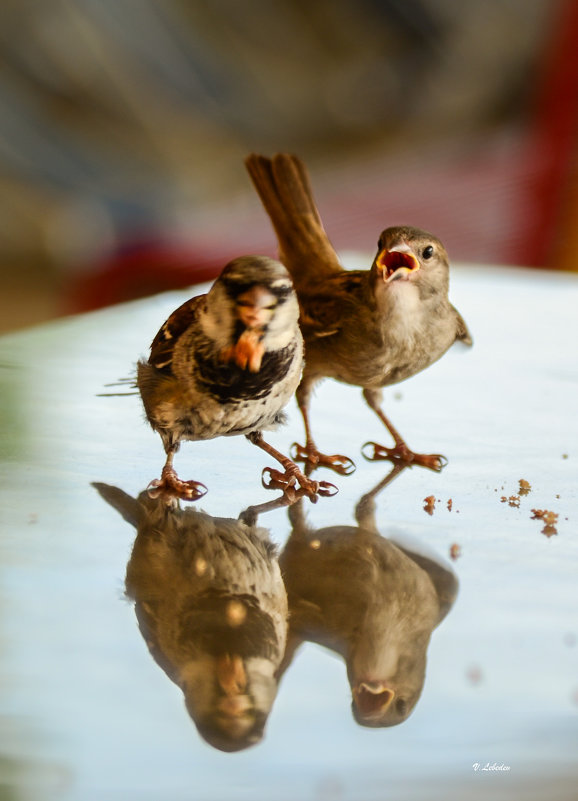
369,600
369,328
212,608
225,364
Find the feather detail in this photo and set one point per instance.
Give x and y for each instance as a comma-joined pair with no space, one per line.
285,191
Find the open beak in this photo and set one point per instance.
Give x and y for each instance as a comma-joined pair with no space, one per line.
396,263
372,698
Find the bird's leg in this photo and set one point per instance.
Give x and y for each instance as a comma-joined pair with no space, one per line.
292,476
365,508
169,485
400,452
309,454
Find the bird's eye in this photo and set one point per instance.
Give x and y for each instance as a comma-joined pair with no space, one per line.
427,253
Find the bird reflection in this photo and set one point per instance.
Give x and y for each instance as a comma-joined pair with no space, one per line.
212,608
372,602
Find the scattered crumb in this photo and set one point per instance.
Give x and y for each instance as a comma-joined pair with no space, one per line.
455,551
430,504
557,496
450,504
525,487
550,519
564,456
474,675
512,500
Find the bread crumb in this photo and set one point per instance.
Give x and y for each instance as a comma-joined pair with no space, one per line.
512,500
450,504
455,551
525,487
430,504
550,519
474,675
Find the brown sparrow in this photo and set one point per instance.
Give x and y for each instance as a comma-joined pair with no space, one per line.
369,600
227,363
370,328
212,608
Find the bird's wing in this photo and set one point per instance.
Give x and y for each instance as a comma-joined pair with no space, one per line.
285,191
462,331
163,344
323,312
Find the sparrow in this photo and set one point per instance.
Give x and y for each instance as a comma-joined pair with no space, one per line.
226,363
370,601
368,328
212,608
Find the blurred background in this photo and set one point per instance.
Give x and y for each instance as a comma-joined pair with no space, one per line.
124,124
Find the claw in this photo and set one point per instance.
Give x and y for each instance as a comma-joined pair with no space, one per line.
314,458
401,453
171,486
277,479
288,481
327,490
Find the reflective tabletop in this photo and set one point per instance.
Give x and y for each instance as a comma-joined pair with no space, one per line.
460,586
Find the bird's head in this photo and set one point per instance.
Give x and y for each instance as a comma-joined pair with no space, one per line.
386,697
252,308
410,257
229,697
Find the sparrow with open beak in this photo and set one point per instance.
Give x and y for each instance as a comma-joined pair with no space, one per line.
369,328
226,363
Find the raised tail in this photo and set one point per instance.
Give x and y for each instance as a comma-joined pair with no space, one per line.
285,191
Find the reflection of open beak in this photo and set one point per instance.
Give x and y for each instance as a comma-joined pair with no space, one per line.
372,698
396,263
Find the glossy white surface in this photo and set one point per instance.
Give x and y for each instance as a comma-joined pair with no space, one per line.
86,713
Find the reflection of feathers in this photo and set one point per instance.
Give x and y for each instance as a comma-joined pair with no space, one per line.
212,608
370,601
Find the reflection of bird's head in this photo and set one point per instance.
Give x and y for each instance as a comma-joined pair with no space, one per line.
229,683
252,308
408,256
386,686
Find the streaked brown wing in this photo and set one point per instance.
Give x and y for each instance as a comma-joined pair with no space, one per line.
164,342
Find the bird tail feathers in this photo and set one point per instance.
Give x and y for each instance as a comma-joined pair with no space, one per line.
283,185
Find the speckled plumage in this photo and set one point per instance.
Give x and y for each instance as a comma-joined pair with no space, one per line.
190,392
224,364
212,608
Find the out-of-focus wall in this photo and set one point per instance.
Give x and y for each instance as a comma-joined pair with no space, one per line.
124,123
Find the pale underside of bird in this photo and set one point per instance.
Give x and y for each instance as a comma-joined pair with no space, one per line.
373,602
368,328
225,364
212,608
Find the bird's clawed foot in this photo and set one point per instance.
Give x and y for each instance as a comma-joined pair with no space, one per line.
295,484
169,485
402,454
313,458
